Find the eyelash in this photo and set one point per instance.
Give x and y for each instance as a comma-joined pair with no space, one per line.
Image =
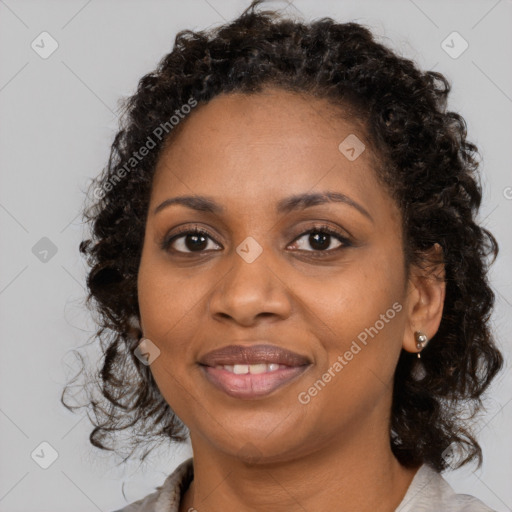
323,229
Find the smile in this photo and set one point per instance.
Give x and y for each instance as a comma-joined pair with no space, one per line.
253,369
251,381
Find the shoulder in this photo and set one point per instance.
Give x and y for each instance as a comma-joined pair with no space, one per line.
167,496
430,492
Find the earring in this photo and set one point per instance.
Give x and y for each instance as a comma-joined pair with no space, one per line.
421,341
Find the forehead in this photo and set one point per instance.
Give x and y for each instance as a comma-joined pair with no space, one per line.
242,147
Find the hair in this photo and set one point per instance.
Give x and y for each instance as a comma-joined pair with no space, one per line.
424,159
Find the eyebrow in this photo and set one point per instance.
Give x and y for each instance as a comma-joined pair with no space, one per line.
286,205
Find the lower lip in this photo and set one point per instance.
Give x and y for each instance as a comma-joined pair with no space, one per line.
248,385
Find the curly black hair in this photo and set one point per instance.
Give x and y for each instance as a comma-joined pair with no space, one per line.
420,154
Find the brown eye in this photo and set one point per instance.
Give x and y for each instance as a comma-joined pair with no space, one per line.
187,241
320,240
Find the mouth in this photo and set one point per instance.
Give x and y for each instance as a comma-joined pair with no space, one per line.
250,372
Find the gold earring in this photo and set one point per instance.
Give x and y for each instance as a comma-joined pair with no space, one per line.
421,341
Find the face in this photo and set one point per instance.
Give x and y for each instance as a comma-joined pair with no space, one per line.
324,279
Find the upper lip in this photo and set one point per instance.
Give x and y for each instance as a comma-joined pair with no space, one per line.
254,354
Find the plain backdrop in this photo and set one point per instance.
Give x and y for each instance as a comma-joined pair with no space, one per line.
58,118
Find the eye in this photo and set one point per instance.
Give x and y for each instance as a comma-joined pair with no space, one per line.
196,240
187,241
320,239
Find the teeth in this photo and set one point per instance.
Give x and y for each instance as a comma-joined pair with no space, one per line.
258,368
242,369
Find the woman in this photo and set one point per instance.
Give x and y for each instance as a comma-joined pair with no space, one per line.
285,225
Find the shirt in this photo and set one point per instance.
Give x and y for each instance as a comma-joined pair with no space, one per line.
428,492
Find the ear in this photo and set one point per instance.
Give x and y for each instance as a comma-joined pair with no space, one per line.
425,297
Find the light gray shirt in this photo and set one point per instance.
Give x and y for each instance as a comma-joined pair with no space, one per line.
428,492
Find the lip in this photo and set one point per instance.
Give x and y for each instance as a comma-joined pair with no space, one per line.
253,354
248,386
251,386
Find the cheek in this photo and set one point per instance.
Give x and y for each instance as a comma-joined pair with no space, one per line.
354,297
172,310
358,316
166,305
167,301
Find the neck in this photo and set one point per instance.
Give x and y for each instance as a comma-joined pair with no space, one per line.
358,473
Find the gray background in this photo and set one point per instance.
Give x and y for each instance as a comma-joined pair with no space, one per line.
58,119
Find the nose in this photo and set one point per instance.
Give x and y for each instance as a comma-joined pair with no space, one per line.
250,291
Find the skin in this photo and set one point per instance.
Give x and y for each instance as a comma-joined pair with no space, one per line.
274,453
